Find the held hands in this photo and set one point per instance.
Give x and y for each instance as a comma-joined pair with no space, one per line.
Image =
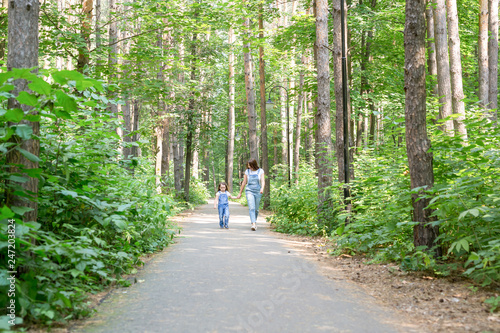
239,196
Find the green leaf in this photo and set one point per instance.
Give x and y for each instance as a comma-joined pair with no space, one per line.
473,256
62,77
40,86
5,134
120,224
84,84
27,99
104,223
24,131
90,103
474,212
14,115
67,102
65,300
34,172
6,213
464,243
28,155
62,114
7,87
21,210
70,193
24,73
18,179
122,208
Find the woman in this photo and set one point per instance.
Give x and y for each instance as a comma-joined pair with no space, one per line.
254,177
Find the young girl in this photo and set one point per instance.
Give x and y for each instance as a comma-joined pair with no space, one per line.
221,201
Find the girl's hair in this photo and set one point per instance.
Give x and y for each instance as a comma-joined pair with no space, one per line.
222,183
253,164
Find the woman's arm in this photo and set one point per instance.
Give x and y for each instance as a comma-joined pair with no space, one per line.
245,179
262,182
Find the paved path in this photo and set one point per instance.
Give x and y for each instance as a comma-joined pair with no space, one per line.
237,280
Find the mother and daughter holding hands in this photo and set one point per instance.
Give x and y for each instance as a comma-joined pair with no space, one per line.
254,181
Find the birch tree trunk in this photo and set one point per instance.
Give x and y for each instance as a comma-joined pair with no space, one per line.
263,118
443,64
22,52
484,80
417,142
457,90
323,131
493,57
250,94
231,116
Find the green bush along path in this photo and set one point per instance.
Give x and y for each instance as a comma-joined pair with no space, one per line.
237,280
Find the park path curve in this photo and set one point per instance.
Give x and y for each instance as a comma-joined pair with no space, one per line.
237,280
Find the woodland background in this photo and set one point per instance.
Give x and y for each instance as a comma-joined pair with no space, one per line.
139,109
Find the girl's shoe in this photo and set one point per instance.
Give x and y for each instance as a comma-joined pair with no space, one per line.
254,227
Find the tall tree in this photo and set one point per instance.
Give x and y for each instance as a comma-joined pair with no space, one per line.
250,94
484,79
337,73
417,142
298,122
231,115
493,56
457,90
84,45
113,51
323,131
443,64
431,47
263,118
23,53
191,117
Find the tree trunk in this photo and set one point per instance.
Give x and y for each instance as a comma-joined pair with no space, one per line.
135,127
98,36
337,67
284,118
431,48
493,57
231,116
263,118
484,80
417,142
84,50
443,65
323,131
310,128
457,91
23,53
250,94
113,53
191,123
298,122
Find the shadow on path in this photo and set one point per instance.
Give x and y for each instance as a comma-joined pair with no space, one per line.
237,280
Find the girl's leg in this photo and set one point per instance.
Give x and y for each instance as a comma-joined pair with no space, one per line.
226,217
221,216
251,206
257,203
